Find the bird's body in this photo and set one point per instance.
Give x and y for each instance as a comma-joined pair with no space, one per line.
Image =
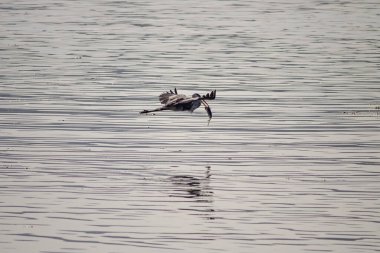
178,102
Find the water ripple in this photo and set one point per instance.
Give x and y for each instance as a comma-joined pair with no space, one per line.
289,161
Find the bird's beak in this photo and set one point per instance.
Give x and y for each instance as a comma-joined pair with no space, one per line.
207,107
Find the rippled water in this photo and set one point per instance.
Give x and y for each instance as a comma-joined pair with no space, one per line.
290,162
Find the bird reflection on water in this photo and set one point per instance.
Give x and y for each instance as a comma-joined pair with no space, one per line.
195,187
198,189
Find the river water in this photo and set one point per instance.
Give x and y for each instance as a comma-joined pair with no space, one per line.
290,161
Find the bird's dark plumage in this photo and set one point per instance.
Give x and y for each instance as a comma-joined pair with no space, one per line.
171,100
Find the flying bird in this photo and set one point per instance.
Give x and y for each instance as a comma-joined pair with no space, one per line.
173,101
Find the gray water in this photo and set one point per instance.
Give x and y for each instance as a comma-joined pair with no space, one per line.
290,161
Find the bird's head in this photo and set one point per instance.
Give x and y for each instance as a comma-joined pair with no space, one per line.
208,96
207,108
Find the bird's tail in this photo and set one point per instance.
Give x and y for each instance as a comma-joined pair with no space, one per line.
155,110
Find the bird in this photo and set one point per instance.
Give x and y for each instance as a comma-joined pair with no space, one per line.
173,101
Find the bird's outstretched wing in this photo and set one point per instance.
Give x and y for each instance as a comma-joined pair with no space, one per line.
210,96
171,98
168,96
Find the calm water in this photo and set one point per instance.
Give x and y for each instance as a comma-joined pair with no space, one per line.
289,163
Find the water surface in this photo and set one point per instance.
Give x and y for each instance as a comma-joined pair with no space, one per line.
290,162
